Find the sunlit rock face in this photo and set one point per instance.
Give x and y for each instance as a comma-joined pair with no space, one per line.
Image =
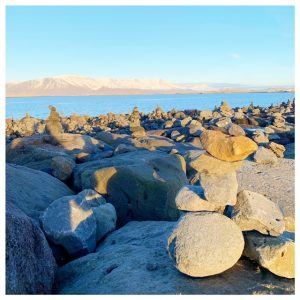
77,222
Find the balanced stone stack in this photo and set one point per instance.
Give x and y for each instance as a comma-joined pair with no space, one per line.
135,125
53,124
205,242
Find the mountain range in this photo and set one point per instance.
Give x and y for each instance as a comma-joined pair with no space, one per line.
71,85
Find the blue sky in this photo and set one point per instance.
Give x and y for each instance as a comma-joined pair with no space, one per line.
245,45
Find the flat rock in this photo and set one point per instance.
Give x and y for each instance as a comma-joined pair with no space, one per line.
265,156
70,222
277,254
205,243
32,191
220,190
138,250
227,148
30,265
205,163
253,211
141,185
191,198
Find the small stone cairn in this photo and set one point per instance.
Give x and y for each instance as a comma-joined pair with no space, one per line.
53,124
135,125
218,225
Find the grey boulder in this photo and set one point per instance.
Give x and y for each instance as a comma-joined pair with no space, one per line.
205,244
30,265
77,222
31,190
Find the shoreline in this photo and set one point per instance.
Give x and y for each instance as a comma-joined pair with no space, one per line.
157,94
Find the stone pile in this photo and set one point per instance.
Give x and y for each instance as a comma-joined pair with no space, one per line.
205,241
135,126
53,124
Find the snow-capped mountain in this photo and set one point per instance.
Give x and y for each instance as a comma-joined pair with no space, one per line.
70,85
77,85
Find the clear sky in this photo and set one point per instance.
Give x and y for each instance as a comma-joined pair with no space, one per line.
245,45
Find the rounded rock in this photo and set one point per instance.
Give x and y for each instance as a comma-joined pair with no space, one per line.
205,244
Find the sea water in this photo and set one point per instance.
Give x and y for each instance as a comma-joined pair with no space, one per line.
16,108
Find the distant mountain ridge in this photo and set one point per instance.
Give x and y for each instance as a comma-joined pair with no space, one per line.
71,85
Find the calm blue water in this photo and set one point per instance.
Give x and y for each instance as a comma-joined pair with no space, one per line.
96,105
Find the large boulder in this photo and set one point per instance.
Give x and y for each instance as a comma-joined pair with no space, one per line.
228,148
205,244
32,191
220,190
191,198
138,250
142,185
30,265
256,212
77,222
277,254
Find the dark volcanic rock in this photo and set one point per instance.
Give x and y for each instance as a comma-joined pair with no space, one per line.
30,265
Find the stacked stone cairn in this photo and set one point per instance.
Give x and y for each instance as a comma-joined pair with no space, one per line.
218,225
53,123
135,125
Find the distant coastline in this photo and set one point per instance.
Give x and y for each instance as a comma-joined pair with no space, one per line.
72,85
160,93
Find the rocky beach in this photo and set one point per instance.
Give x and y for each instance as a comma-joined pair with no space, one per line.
167,202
